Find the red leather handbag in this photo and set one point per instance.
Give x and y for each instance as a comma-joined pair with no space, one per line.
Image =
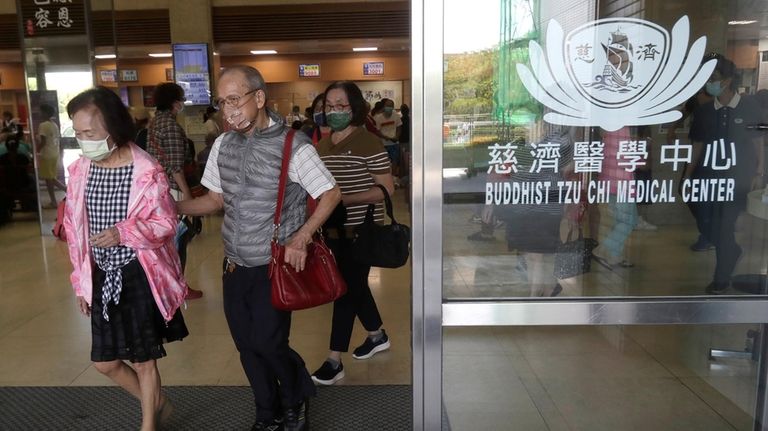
320,282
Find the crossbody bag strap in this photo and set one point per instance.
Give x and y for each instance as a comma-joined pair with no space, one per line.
282,183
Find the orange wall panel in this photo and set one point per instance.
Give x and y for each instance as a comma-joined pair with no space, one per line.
12,76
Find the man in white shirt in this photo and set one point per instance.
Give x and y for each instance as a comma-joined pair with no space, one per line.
241,175
390,125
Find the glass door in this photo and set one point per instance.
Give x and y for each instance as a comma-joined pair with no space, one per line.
589,214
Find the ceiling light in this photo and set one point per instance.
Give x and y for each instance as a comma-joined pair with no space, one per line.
741,22
160,54
263,51
105,56
365,48
215,53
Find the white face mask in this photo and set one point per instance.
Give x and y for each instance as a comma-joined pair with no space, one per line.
181,107
96,150
238,121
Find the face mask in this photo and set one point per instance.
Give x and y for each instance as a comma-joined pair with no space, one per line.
388,111
238,122
319,118
714,89
96,150
338,120
181,107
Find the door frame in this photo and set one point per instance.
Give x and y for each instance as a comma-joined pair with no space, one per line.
431,312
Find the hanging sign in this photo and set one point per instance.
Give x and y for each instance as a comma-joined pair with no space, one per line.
52,17
373,68
309,70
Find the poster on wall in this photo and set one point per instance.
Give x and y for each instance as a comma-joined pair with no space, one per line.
147,92
373,91
191,71
309,70
373,68
129,75
109,75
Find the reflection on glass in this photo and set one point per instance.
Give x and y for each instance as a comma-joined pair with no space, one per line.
600,378
583,157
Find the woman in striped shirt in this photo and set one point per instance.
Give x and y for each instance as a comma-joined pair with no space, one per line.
359,163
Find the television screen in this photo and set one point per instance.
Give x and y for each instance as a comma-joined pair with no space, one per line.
192,72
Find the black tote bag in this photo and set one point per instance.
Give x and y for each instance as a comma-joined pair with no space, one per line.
384,246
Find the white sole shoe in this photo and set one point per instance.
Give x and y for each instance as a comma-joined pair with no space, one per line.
335,379
375,350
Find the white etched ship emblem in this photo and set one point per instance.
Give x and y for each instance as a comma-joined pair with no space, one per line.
615,72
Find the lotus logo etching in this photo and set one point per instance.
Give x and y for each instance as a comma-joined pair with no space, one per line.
615,72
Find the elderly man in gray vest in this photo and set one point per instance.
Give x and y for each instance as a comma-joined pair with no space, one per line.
242,175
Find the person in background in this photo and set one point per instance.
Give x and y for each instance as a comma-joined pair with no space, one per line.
247,193
16,167
727,118
370,123
320,129
688,110
141,119
619,218
11,124
48,154
23,148
168,144
211,121
390,125
405,145
644,173
120,222
295,116
359,163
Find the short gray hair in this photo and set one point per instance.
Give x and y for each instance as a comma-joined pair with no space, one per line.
252,75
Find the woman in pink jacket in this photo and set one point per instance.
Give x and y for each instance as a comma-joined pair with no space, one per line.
120,222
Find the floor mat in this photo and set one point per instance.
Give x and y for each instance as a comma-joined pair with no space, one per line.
198,408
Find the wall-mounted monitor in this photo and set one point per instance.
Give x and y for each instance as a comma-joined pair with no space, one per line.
192,72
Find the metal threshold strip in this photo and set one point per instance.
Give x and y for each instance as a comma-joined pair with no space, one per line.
606,311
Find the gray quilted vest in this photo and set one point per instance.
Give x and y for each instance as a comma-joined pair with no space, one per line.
249,167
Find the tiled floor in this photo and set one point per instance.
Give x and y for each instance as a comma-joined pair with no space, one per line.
581,378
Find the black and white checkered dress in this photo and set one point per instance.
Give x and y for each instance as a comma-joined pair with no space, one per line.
106,199
126,322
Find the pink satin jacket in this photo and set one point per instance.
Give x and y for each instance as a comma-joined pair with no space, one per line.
149,228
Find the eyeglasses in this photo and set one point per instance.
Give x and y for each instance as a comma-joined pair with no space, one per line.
336,108
232,101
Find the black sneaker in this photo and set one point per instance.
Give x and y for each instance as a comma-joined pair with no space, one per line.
295,419
273,425
369,348
326,375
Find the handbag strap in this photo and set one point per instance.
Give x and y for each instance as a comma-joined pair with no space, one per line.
282,183
387,204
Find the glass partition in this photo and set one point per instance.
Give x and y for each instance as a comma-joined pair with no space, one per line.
600,378
57,62
604,148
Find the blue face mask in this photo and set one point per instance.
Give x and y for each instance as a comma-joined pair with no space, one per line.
714,89
319,118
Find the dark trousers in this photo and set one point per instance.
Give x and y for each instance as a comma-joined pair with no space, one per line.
357,302
718,223
277,374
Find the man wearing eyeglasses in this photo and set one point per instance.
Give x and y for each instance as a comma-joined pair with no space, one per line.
242,174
